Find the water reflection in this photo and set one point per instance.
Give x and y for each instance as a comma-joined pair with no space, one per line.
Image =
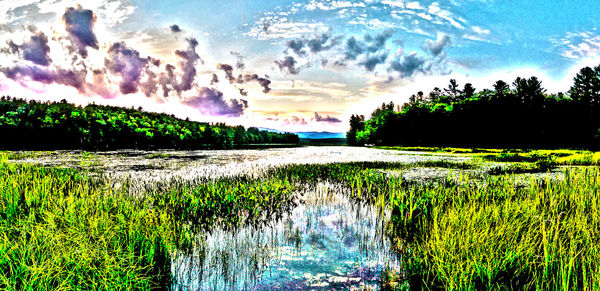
326,242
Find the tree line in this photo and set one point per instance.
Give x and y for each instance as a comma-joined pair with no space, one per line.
520,114
61,125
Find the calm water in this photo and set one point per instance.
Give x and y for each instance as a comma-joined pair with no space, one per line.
326,242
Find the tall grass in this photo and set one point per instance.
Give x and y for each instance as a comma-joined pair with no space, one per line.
60,229
499,236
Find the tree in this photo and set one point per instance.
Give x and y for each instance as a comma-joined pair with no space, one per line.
357,124
529,91
468,90
586,86
452,89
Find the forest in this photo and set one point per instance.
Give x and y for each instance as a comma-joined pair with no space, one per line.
521,115
61,125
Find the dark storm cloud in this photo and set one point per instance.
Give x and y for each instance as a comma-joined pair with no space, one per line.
228,69
175,28
35,50
321,43
190,58
354,48
436,47
46,76
264,82
241,79
287,65
373,60
128,63
79,23
211,102
215,79
327,118
297,46
378,42
408,65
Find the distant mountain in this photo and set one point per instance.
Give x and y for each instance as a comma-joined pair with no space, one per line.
320,135
311,134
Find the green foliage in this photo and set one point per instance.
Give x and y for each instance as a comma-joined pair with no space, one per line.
62,125
521,116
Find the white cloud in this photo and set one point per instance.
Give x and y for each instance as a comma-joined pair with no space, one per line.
110,12
414,5
393,3
480,30
331,5
577,45
275,27
435,9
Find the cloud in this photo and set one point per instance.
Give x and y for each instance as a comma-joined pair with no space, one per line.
35,50
46,76
578,45
175,28
240,60
320,43
372,44
128,63
297,46
150,85
261,81
211,102
167,78
436,47
241,79
280,27
353,48
287,65
377,42
79,23
296,120
188,65
228,69
327,118
373,60
214,80
408,65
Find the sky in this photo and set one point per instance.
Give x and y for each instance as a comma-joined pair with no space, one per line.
286,65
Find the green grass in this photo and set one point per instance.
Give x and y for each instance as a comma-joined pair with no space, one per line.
543,237
558,156
62,229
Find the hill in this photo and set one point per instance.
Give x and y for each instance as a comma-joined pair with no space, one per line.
61,125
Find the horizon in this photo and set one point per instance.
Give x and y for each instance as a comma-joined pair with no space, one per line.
295,66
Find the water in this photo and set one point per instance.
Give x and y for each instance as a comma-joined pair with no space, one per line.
326,242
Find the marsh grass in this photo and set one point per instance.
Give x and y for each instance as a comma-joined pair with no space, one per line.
64,229
61,229
543,237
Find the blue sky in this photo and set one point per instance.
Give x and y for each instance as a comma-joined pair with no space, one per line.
290,65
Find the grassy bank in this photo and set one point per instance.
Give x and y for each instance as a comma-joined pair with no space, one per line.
558,156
